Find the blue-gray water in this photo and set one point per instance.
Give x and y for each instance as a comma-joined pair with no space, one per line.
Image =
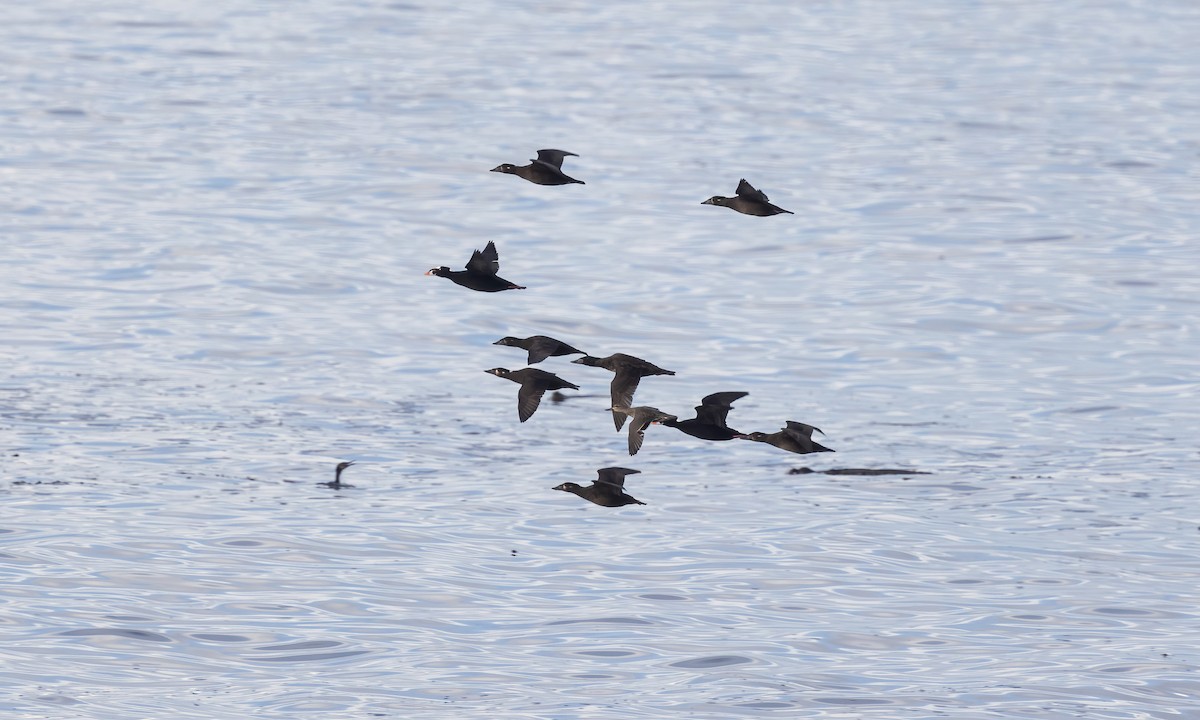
215,219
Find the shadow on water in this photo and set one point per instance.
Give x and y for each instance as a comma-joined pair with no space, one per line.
856,471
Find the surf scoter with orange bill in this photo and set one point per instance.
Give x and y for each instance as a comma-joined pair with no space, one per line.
480,273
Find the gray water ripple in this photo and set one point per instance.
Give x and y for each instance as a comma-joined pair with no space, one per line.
141,635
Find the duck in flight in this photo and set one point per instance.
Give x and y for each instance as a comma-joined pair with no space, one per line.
539,347
608,489
627,373
641,417
709,423
748,201
796,437
534,383
480,273
546,170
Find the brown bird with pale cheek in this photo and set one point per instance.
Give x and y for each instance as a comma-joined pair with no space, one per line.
546,170
747,201
608,489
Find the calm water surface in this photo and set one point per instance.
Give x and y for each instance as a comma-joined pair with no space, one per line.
215,221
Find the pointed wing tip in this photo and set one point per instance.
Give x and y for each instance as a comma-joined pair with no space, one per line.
635,440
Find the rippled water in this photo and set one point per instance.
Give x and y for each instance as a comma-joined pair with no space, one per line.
216,219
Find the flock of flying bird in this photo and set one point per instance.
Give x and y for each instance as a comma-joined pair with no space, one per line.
481,274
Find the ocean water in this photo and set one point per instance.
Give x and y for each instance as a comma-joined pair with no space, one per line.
216,219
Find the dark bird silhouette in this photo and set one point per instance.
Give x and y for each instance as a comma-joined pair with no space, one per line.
709,423
628,372
748,201
641,417
796,437
546,170
336,483
534,383
608,489
540,347
480,273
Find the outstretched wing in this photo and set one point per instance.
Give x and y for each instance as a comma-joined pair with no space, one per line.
528,399
713,409
798,439
614,475
746,190
637,433
643,417
801,428
554,157
485,261
542,347
624,384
